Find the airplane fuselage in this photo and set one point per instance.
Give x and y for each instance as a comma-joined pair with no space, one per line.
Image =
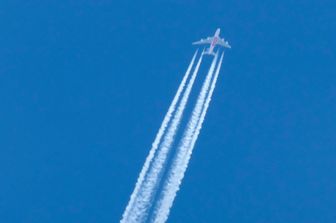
214,42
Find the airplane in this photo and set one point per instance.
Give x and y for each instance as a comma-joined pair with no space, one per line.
213,41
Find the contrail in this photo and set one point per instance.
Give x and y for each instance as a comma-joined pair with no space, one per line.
205,108
141,203
181,160
157,140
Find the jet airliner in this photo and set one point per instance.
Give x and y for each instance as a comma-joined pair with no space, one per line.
213,41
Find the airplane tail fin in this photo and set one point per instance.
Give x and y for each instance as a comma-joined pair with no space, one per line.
209,52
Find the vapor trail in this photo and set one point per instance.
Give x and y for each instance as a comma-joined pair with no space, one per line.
141,204
205,109
181,160
156,142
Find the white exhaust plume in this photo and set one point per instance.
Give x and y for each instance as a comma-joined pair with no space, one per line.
157,140
184,151
205,109
139,204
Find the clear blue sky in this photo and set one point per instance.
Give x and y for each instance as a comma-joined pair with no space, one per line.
84,88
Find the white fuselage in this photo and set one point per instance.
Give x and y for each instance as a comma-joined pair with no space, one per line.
214,42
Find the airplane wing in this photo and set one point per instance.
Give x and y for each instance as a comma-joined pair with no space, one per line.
224,43
203,41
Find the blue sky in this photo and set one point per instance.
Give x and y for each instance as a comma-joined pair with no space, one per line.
84,88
